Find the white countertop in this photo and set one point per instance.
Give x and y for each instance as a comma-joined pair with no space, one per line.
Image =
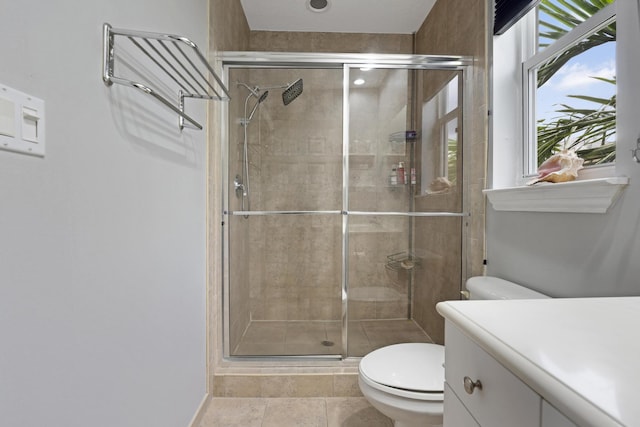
581,355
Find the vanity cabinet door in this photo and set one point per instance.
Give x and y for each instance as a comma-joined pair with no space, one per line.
493,395
455,414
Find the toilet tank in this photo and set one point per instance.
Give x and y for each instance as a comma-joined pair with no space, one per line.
491,288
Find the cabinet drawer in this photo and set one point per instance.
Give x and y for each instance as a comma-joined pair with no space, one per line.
455,414
503,400
551,417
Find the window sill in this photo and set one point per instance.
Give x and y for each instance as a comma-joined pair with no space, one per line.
587,196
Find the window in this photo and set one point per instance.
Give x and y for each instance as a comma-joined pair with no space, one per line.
569,84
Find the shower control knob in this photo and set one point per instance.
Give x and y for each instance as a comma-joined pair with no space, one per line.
470,385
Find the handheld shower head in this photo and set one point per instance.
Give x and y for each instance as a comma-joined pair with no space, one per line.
263,96
260,101
292,92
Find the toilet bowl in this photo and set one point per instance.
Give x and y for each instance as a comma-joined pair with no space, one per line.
405,382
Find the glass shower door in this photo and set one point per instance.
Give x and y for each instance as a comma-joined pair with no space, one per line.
344,217
379,191
285,235
404,245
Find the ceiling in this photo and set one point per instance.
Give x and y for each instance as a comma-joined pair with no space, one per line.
344,16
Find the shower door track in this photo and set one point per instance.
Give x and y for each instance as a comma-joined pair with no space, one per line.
363,213
261,213
248,59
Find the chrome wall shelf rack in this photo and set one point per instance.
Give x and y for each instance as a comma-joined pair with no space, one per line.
175,56
402,261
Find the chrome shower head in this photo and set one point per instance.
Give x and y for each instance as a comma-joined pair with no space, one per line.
292,92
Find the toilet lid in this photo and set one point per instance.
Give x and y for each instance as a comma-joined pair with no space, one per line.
410,366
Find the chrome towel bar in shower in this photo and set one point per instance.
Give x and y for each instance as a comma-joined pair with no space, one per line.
189,70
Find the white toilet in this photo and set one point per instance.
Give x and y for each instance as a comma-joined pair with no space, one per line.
406,381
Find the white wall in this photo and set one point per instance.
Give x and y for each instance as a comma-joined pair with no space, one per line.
582,254
102,242
508,48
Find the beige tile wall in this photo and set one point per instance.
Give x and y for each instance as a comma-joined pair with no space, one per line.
295,164
293,264
455,27
286,41
228,30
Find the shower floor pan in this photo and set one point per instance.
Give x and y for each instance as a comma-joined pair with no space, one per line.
308,338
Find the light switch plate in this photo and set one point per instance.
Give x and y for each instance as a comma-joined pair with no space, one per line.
22,122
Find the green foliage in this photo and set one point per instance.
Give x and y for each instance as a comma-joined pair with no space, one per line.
452,159
570,14
591,132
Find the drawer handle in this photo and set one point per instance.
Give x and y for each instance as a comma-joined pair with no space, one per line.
470,385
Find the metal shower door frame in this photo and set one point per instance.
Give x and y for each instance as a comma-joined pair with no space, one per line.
335,61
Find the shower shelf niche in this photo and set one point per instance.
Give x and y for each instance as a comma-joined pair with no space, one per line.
176,57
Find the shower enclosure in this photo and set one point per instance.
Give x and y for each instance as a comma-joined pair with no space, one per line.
343,200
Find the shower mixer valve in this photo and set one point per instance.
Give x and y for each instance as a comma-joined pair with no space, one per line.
238,186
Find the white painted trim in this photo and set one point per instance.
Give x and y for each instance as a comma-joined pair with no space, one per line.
583,30
197,417
586,196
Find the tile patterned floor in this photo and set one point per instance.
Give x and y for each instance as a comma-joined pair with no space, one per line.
307,337
293,412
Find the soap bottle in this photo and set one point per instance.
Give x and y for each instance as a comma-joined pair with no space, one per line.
401,175
393,178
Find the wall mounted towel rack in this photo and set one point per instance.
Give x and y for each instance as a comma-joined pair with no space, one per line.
177,57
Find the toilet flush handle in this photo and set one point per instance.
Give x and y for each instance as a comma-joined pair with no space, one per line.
470,385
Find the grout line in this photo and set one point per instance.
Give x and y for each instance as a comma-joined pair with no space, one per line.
264,411
326,412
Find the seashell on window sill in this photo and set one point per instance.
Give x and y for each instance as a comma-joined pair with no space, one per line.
560,167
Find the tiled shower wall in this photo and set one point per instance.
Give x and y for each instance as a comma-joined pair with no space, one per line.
228,31
296,153
376,292
439,35
238,249
293,263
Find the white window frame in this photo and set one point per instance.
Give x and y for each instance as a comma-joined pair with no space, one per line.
444,118
529,85
436,119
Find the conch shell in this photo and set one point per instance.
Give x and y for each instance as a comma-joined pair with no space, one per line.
439,185
560,167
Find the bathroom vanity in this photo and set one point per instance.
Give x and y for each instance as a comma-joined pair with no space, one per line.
549,363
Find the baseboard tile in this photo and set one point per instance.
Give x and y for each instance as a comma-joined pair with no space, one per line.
197,417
